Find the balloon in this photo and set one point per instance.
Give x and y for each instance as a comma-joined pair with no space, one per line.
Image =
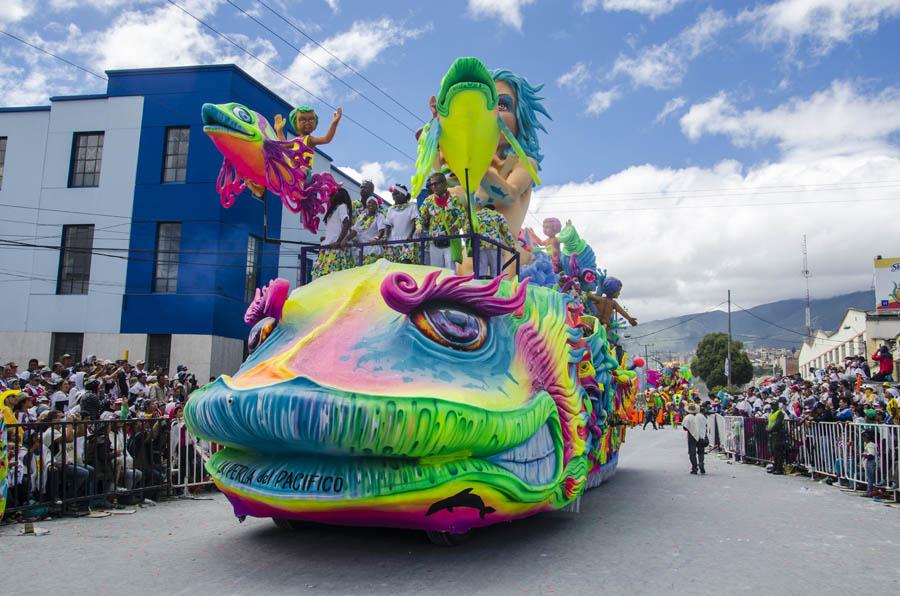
639,362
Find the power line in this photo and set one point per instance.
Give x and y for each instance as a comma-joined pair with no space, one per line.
330,53
308,57
287,78
49,53
682,322
754,315
691,192
724,206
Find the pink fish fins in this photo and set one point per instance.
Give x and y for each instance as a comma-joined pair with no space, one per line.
288,175
228,184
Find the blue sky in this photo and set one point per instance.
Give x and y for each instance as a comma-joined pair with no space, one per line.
771,105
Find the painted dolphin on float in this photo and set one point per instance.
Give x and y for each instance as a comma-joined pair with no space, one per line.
467,129
403,396
253,152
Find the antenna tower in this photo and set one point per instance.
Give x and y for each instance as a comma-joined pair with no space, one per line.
805,273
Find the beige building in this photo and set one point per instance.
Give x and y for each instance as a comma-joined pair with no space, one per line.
860,333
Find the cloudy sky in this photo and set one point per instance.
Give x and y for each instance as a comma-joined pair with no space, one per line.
692,142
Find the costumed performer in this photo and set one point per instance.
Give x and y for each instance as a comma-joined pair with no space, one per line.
492,225
400,224
333,255
368,227
442,214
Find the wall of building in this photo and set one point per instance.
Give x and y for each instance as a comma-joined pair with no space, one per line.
849,339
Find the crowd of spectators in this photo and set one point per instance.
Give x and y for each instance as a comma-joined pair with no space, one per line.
850,392
87,430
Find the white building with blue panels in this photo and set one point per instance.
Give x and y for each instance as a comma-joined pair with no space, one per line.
112,239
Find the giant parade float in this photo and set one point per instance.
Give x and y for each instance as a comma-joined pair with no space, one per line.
404,395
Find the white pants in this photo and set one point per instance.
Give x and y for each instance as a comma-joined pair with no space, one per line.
487,262
440,257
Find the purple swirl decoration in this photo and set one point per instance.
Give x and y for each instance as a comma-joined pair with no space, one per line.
401,292
268,301
228,184
288,175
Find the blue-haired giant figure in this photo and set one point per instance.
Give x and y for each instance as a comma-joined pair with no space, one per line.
507,184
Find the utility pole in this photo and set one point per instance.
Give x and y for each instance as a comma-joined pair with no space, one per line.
805,273
728,358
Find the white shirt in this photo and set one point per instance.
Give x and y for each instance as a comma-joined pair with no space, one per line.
335,223
695,424
402,221
370,234
58,397
139,389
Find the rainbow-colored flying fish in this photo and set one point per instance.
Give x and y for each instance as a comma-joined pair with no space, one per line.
254,153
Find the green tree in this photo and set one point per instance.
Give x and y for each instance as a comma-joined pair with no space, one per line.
709,363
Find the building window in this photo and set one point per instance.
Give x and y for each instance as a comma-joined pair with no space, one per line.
75,259
159,350
251,279
87,153
175,158
66,343
2,158
168,243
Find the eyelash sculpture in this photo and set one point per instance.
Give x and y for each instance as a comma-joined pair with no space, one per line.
401,292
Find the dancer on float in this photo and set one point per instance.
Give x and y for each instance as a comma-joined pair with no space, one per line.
400,224
334,255
368,228
442,214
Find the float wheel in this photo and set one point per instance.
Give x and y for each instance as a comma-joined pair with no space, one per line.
290,524
446,538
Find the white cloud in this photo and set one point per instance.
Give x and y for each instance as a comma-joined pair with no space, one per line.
600,101
359,46
651,8
672,106
382,174
575,77
132,40
649,226
13,11
839,119
663,66
823,23
334,5
508,12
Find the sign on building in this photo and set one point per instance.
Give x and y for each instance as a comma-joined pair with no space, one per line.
887,284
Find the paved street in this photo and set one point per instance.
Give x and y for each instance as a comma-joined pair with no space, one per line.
653,530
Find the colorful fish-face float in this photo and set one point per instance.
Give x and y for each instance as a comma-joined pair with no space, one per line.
468,127
404,396
254,153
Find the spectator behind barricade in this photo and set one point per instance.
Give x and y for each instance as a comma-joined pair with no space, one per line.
138,389
885,361
869,461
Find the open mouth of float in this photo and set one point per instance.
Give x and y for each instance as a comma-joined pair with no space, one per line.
293,447
215,121
466,74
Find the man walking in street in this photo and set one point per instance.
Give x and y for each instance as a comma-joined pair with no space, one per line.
695,426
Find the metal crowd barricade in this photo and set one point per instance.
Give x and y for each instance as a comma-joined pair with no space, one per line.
64,466
824,449
308,254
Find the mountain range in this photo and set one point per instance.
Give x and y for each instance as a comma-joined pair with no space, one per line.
775,325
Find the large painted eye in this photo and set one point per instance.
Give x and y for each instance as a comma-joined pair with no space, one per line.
452,326
243,114
505,102
260,332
